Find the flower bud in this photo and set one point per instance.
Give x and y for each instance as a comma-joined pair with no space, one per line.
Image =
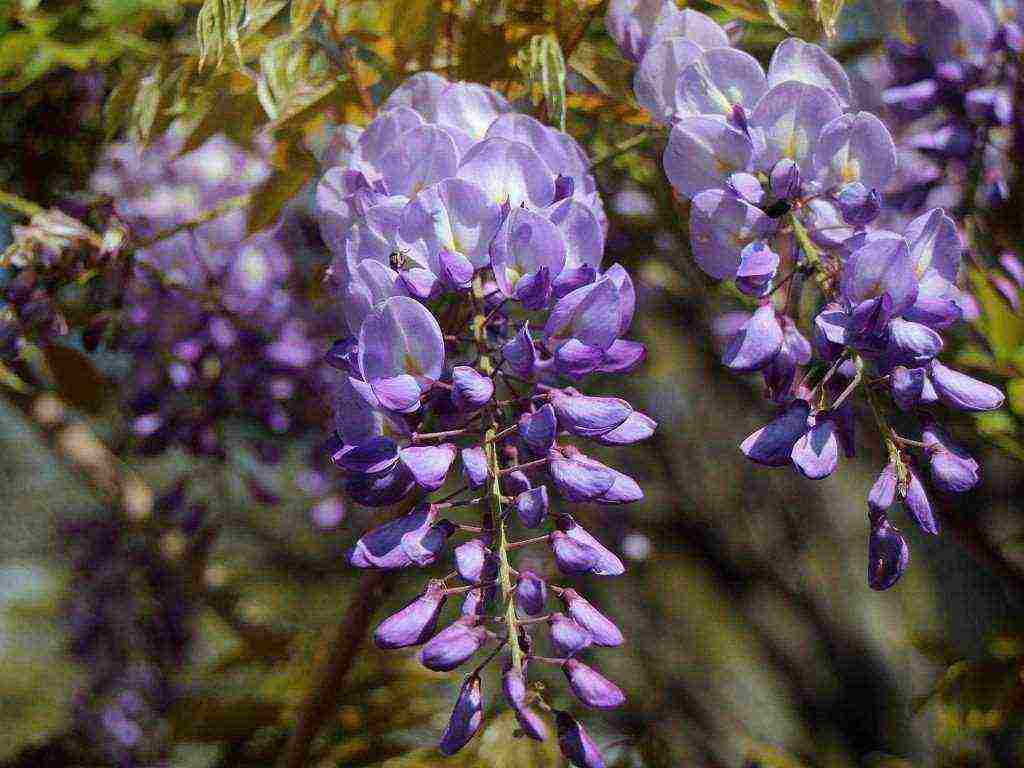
538,429
466,718
520,354
575,743
601,628
588,416
567,636
513,685
531,593
917,504
571,556
564,187
415,623
471,390
958,390
883,492
532,506
531,724
953,471
888,554
475,562
534,290
591,687
474,466
756,344
453,645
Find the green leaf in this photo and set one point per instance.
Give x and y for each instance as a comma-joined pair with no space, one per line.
1002,328
217,28
828,15
543,68
1015,396
302,14
294,167
607,70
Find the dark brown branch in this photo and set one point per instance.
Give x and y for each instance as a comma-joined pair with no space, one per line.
322,699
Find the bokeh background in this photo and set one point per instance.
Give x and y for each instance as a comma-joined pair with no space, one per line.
752,636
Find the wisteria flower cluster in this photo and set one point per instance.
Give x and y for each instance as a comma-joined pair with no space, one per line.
129,616
216,320
955,82
468,243
782,179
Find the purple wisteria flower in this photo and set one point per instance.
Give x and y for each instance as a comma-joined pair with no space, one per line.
784,179
467,244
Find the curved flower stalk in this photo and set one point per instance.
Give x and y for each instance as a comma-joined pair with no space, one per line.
468,243
955,82
783,179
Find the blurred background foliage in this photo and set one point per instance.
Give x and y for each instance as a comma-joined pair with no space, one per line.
753,638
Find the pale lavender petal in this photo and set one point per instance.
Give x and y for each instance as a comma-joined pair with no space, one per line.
721,226
702,153
791,116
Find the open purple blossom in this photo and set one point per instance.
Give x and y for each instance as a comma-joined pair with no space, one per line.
467,244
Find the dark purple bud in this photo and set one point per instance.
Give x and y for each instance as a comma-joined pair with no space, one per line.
959,390
953,471
538,429
471,390
907,386
858,204
399,543
513,685
571,556
534,290
607,563
531,593
414,624
758,265
920,508
591,687
756,345
467,716
474,466
453,645
567,636
587,416
888,554
816,453
475,562
376,456
578,477
456,270
870,317
739,118
428,464
520,354
883,492
747,187
564,187
601,628
785,180
531,724
575,743
532,506
517,482
772,445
